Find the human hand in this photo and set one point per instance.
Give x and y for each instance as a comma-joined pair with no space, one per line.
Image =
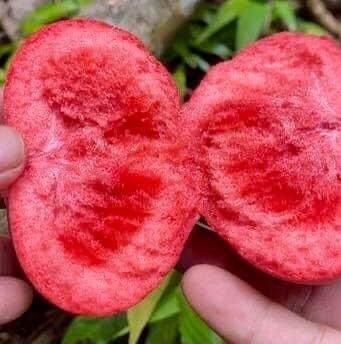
246,306
15,294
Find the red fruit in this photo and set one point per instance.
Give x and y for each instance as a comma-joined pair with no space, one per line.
268,126
103,207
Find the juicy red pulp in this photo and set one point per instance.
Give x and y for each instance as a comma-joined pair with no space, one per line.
107,199
124,206
273,166
268,132
124,196
99,215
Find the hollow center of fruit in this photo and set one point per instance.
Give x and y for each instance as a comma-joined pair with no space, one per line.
275,169
109,215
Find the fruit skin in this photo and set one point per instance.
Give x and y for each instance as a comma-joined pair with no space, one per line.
268,133
104,206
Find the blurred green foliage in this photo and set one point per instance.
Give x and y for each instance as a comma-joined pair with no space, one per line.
164,317
216,32
44,14
51,12
219,30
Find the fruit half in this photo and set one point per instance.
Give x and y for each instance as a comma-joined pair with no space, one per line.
104,206
268,129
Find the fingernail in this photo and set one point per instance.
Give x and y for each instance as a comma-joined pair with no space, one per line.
12,150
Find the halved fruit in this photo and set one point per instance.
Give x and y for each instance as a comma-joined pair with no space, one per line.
269,146
104,205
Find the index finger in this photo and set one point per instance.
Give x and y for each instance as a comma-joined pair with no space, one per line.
241,314
206,247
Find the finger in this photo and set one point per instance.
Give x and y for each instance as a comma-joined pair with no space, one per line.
12,155
324,305
244,316
205,247
320,303
15,298
9,265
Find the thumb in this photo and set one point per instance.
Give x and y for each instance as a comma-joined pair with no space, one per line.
12,153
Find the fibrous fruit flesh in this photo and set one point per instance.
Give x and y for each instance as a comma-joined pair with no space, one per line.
115,171
269,149
103,207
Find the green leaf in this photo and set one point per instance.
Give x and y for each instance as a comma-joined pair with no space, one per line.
12,55
313,29
51,12
205,12
169,56
167,308
226,13
251,23
7,49
7,53
194,31
164,332
192,329
285,11
96,330
181,79
181,47
168,305
192,60
200,63
139,315
174,280
2,76
215,48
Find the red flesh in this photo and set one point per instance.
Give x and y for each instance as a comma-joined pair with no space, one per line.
268,128
103,207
